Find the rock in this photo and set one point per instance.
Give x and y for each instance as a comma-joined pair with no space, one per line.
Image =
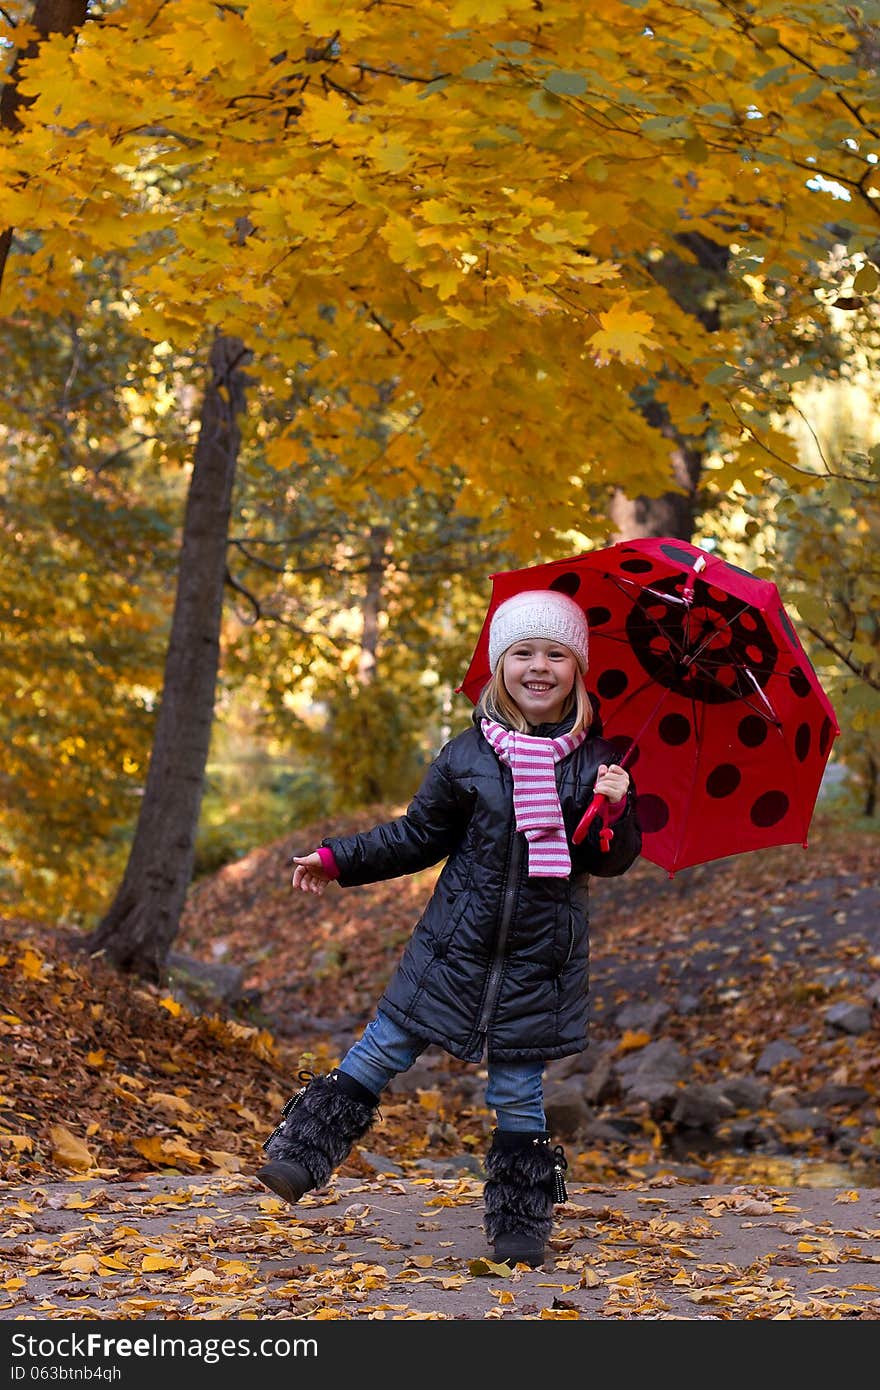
802,1117
597,1131
775,1053
641,1017
743,1092
565,1107
701,1106
451,1167
593,1069
661,1060
380,1163
831,1095
745,1133
421,1076
601,1085
658,1092
653,1073
204,982
849,1018
687,1004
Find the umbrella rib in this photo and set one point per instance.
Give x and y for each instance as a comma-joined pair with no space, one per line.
619,582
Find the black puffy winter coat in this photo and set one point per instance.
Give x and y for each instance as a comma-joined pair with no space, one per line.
498,962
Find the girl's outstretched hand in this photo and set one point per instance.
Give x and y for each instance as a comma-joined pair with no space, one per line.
309,873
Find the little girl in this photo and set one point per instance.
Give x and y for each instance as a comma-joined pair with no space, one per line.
497,965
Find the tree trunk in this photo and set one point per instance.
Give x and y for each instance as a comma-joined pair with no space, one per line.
372,605
672,513
694,286
49,17
870,807
137,932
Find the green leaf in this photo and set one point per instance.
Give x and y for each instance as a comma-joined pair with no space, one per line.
546,105
867,279
480,72
667,128
570,84
812,610
772,76
719,375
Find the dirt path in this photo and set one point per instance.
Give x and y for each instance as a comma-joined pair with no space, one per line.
170,1248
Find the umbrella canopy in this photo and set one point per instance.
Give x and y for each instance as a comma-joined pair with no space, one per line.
702,686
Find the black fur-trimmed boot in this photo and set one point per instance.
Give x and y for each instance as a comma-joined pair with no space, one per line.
524,1179
318,1127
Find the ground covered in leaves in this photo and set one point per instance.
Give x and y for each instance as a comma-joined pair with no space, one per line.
131,1117
104,1075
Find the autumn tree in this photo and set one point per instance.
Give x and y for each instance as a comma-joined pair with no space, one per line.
463,199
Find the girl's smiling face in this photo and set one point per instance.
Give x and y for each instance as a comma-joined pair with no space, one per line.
539,677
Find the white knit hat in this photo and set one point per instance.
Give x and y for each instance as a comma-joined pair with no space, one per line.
542,614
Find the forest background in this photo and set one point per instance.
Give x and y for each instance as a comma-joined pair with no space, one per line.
315,315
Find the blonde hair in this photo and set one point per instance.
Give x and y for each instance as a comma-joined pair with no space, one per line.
496,700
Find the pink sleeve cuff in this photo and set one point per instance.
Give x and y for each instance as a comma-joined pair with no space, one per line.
328,861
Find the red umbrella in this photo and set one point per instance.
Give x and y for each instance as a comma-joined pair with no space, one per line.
702,685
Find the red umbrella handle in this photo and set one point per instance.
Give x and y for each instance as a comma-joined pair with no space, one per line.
595,807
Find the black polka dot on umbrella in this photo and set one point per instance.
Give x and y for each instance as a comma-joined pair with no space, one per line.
597,617
567,583
798,682
611,684
639,566
826,733
652,812
625,748
679,555
752,731
802,741
723,780
674,729
769,809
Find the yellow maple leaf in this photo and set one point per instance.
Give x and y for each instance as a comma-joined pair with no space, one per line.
329,16
153,1262
31,963
79,1264
69,1151
162,1100
326,118
624,333
226,1162
22,1143
631,1041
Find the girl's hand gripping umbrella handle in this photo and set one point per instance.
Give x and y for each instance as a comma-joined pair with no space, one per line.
596,806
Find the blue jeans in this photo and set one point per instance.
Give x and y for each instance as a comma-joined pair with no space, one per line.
515,1090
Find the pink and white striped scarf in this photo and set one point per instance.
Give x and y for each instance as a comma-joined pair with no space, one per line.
535,798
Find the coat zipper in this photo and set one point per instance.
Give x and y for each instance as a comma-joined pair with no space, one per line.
510,891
